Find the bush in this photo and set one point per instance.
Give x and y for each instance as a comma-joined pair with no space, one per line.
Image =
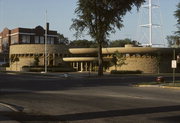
5,65
50,69
126,72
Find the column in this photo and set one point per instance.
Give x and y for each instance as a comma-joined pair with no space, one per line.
86,66
54,59
48,58
77,66
81,66
90,67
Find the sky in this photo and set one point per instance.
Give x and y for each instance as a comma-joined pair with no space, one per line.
31,13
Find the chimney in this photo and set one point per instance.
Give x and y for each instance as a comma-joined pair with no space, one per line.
47,27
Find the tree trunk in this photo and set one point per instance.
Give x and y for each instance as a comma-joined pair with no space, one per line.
100,60
115,67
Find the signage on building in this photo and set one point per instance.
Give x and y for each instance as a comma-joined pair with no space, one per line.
174,64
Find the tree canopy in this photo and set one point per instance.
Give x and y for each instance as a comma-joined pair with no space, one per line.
177,15
174,40
82,44
100,18
122,43
62,40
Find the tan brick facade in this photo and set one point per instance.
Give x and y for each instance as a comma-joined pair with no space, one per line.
137,58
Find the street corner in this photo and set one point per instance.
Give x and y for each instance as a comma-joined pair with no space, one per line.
7,111
6,107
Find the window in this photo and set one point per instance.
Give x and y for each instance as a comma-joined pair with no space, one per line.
41,40
14,39
26,39
50,40
36,39
5,44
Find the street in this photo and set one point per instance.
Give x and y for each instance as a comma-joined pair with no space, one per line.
47,99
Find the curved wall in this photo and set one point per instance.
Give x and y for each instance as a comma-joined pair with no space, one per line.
26,54
137,58
121,50
37,49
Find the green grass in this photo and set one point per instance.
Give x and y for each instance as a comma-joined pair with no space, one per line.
149,83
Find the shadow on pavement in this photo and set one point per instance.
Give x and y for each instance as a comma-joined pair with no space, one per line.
48,83
172,119
94,115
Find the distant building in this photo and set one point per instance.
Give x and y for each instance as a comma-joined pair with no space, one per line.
25,39
26,36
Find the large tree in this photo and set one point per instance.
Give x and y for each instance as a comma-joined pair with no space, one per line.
177,15
174,40
81,44
122,43
99,18
62,40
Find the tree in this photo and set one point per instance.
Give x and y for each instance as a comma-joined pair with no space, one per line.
118,59
99,18
173,41
122,43
84,44
15,59
177,15
81,44
62,40
36,60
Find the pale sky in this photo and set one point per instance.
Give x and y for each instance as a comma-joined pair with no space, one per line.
31,13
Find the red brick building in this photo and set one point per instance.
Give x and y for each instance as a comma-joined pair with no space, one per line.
26,36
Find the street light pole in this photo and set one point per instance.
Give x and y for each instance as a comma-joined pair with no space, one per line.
174,53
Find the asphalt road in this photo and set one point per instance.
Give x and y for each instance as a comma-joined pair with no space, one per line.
78,99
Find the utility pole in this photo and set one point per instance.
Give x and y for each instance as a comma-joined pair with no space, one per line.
174,66
45,46
150,23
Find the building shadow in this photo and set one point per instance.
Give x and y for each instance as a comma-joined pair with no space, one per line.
21,116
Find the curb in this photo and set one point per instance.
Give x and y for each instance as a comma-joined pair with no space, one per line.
157,86
154,86
168,87
12,107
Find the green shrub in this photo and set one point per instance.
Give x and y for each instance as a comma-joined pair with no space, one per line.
125,72
50,69
5,65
